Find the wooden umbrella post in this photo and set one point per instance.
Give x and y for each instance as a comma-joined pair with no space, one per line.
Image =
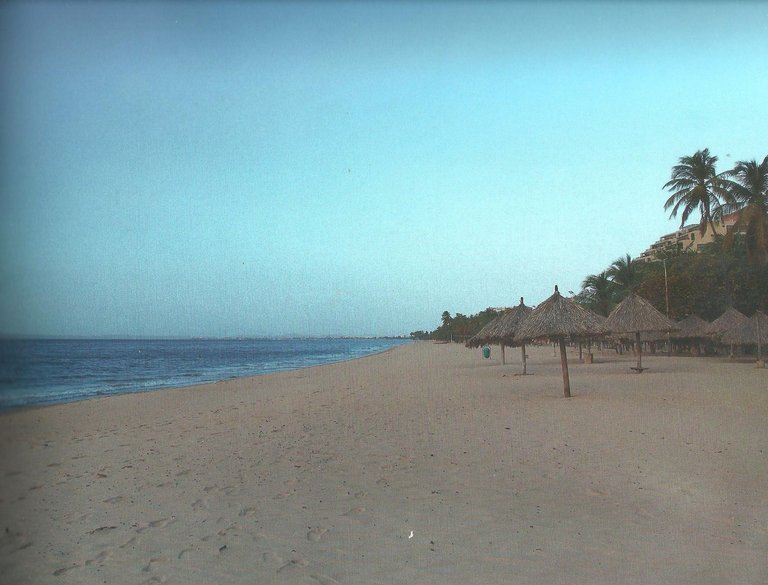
564,365
525,364
503,357
639,352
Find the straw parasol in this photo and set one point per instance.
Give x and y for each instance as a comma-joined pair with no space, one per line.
555,319
501,330
482,336
751,330
636,315
693,327
759,326
504,332
726,326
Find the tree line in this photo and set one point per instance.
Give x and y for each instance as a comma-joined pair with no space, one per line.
732,271
458,328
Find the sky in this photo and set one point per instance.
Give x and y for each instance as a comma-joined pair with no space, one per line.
348,168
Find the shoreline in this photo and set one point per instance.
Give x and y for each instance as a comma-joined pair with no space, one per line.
321,475
172,386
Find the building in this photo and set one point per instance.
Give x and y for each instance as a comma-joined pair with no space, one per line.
688,238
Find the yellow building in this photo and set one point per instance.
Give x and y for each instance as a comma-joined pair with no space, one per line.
689,238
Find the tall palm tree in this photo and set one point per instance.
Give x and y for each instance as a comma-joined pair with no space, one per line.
598,292
695,184
749,192
625,274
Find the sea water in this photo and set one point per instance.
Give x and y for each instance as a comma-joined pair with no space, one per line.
47,371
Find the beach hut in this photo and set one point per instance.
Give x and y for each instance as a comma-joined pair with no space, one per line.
636,315
556,319
726,326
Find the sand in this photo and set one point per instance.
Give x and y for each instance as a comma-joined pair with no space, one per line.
425,464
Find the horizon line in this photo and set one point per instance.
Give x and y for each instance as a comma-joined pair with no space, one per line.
5,336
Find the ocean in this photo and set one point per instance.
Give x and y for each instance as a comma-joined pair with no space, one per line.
48,371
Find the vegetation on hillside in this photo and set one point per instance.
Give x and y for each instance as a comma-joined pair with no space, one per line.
730,272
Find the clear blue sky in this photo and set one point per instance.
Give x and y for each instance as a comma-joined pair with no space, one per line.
351,168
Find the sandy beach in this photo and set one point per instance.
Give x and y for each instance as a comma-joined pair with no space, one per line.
425,464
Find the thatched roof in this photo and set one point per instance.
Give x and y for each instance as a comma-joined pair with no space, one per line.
481,337
653,336
559,317
502,329
730,319
509,324
634,314
693,327
747,330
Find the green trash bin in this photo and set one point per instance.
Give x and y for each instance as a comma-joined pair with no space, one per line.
486,352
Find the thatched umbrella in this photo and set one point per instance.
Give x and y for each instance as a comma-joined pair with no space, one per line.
693,327
726,326
482,336
509,323
501,330
636,315
759,326
752,330
555,319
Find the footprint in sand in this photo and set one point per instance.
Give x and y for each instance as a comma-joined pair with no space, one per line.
201,504
293,564
132,542
100,558
272,558
595,491
249,511
185,554
324,580
114,500
152,563
161,523
59,572
316,533
354,511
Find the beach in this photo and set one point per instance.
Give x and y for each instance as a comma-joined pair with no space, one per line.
423,464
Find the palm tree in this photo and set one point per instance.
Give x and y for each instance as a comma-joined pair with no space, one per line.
695,184
598,292
626,276
749,192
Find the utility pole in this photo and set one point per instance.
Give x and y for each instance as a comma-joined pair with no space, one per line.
666,295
